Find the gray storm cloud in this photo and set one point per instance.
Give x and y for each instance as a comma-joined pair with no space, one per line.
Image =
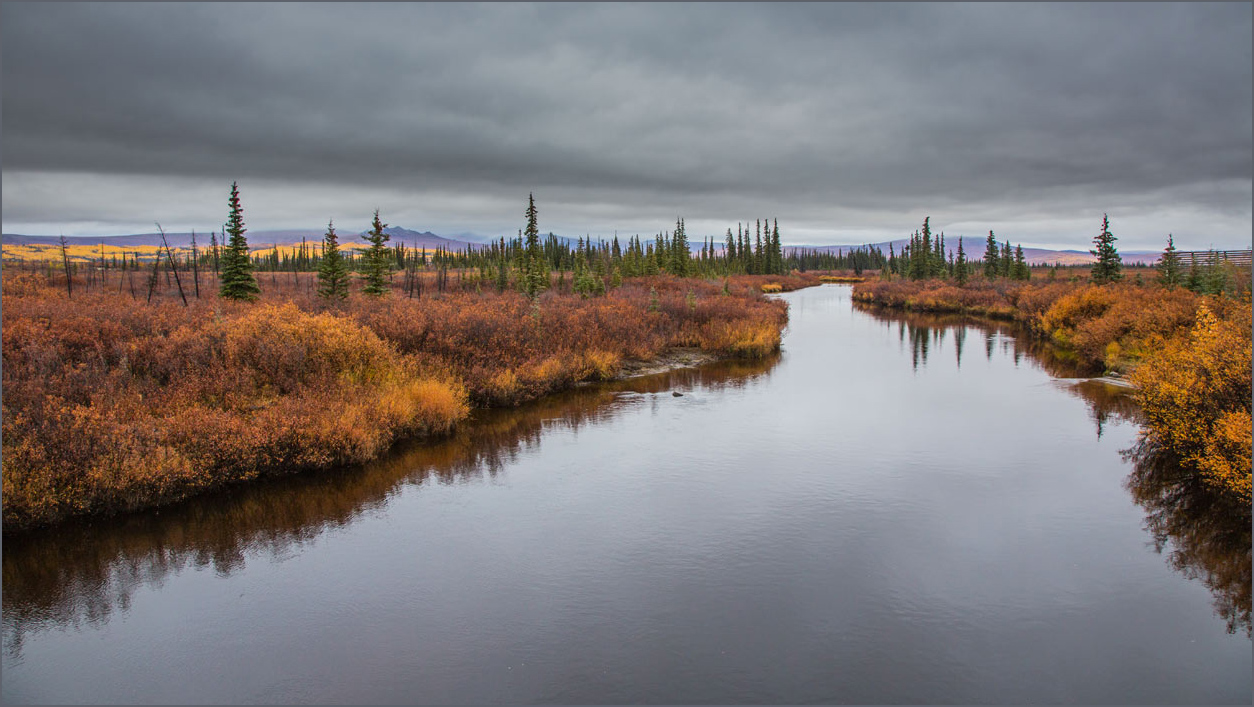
845,121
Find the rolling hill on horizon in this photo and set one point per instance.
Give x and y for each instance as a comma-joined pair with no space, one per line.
266,239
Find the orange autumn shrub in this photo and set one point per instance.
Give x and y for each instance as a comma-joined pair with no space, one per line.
112,408
111,403
1110,327
978,297
1195,394
786,283
1115,326
508,350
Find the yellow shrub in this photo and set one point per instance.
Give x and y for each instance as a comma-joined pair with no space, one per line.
1196,398
602,365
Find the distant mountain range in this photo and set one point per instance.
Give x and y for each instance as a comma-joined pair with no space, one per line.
974,247
256,239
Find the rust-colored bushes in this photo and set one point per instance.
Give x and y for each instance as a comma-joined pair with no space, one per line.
1195,394
112,407
111,403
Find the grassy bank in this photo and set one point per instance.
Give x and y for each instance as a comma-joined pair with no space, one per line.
1188,354
114,403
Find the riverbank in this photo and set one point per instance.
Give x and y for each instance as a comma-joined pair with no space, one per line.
112,404
1186,355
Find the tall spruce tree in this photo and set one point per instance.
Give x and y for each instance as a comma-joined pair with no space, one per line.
332,272
1169,265
536,275
1021,270
776,247
679,251
926,250
960,265
991,258
1109,264
377,259
757,249
238,282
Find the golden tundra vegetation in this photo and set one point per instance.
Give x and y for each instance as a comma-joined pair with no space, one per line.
114,402
118,397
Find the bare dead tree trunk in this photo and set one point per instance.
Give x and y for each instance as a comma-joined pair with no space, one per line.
130,274
173,265
65,260
152,281
195,265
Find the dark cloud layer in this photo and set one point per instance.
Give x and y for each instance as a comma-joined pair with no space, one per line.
843,120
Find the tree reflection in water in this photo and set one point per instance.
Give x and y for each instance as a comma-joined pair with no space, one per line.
1205,535
80,573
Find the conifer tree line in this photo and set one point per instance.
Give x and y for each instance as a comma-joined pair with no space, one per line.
1213,277
526,263
925,257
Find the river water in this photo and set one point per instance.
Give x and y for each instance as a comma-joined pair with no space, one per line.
892,510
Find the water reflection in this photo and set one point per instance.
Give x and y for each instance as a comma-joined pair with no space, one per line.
80,573
926,333
1207,534
1106,402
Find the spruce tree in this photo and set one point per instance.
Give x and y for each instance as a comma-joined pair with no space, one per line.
1194,281
536,274
238,282
1169,265
1214,276
927,250
332,272
1108,265
777,250
502,273
583,282
757,250
991,258
679,251
1021,270
376,259
960,265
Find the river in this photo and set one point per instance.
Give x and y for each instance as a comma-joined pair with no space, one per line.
894,509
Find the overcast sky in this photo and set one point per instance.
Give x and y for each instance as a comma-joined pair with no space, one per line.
849,123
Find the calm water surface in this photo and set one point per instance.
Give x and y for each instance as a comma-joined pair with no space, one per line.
893,510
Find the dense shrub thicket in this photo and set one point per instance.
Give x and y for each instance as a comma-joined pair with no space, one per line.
114,403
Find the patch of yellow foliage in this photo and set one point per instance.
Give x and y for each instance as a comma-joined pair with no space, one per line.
1196,396
81,253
